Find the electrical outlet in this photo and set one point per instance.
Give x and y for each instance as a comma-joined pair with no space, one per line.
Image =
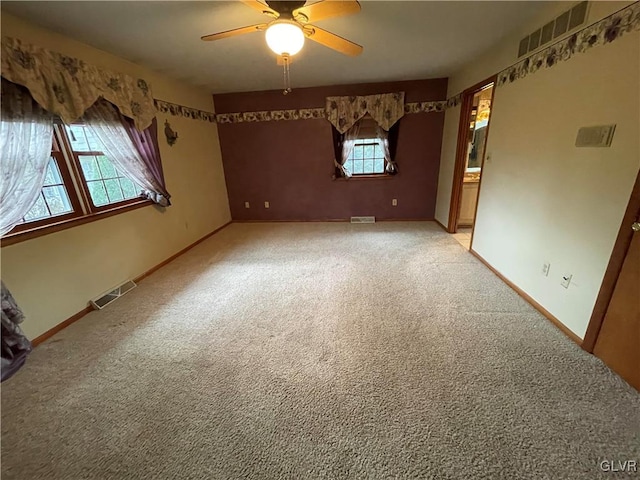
266,204
394,202
545,269
246,204
566,280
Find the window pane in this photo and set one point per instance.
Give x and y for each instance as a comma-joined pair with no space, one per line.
357,167
98,193
53,176
130,189
38,211
358,150
94,143
368,151
82,140
53,200
77,138
106,185
89,167
57,200
368,166
113,190
379,165
106,167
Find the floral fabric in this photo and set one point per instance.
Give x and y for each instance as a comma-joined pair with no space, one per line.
67,86
15,346
386,109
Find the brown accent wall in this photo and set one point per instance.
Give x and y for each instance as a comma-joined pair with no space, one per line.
290,163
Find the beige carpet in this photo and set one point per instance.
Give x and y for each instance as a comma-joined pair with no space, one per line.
303,351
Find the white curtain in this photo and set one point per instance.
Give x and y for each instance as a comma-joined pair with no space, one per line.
382,137
104,121
350,137
26,134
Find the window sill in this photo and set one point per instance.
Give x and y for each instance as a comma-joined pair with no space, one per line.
379,176
13,238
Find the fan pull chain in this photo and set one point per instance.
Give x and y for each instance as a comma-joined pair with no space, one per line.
287,75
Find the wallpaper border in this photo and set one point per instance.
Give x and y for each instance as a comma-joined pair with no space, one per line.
176,110
602,32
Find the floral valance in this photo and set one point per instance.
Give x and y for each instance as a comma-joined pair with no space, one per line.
68,86
386,109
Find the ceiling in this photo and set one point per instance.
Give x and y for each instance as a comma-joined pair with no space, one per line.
402,40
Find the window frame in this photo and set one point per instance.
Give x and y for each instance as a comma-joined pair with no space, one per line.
374,143
77,190
368,126
83,180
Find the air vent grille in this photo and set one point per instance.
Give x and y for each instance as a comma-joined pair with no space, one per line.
569,20
599,136
578,15
104,300
363,219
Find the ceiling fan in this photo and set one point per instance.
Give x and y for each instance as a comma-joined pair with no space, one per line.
285,34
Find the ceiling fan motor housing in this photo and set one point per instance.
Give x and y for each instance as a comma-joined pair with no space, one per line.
285,8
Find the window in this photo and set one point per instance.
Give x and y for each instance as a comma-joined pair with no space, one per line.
105,185
80,183
54,199
366,158
367,153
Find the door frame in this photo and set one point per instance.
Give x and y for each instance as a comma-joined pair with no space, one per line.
461,150
620,249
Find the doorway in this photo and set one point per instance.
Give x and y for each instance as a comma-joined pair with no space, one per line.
473,130
613,334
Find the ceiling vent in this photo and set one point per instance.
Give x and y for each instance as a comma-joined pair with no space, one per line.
104,300
568,21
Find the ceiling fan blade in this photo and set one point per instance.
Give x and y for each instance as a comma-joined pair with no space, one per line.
261,7
234,32
327,9
333,41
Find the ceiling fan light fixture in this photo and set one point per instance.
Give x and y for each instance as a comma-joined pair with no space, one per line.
285,37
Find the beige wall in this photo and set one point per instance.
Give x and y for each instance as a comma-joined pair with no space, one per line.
447,163
54,276
542,199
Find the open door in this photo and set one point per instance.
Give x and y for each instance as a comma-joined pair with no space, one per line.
472,138
614,330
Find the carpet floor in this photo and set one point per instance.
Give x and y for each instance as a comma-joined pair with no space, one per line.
317,351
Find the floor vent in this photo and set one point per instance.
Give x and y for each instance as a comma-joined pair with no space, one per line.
104,300
363,219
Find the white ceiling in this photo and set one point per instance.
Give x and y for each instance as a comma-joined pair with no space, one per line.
402,40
